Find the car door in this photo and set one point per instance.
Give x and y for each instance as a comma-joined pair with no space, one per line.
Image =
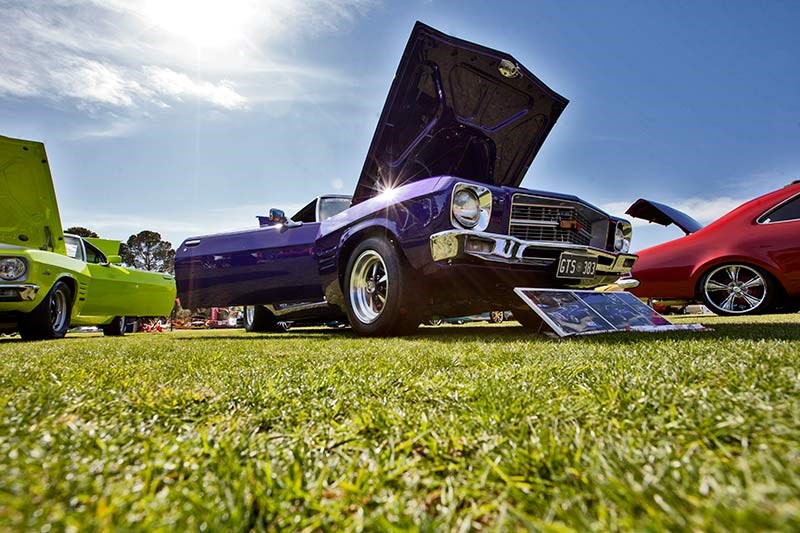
267,265
115,290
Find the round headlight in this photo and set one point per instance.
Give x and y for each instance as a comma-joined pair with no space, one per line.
12,268
466,208
621,244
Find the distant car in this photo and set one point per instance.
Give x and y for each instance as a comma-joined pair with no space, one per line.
50,281
437,225
746,262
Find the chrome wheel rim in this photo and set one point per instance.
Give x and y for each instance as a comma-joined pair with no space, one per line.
736,289
249,314
369,286
58,310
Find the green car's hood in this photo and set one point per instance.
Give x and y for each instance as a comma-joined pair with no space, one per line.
28,209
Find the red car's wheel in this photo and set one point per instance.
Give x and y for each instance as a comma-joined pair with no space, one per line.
737,289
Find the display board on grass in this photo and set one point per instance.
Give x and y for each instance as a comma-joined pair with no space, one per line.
569,312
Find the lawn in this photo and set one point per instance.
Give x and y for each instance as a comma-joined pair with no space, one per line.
458,427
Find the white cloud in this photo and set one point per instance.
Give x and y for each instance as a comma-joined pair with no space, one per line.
168,83
128,56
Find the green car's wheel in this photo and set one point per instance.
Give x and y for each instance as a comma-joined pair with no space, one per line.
257,319
50,319
116,328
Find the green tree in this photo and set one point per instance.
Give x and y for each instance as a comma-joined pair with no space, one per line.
81,232
147,251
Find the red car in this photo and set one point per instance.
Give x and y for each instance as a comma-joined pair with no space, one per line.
748,261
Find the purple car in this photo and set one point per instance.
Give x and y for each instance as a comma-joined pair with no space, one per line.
437,226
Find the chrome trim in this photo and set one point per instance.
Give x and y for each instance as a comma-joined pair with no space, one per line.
524,222
759,219
451,244
27,291
285,309
572,204
620,285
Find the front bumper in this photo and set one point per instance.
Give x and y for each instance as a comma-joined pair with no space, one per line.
504,249
23,292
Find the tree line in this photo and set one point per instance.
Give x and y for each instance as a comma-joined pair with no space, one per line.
145,250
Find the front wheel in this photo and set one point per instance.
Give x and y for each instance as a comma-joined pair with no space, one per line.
737,289
50,319
116,328
380,291
257,319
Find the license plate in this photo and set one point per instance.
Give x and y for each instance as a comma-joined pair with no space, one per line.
576,266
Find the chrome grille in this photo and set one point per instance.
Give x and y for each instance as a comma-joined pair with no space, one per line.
539,222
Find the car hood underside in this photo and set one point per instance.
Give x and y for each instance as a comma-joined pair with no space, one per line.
28,209
460,109
663,214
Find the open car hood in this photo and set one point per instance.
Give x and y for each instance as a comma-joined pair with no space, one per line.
107,246
28,209
460,109
663,214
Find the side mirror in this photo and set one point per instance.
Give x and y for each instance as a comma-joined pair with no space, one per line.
113,260
276,216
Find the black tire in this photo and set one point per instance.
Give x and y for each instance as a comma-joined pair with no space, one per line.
529,319
391,281
116,328
50,319
257,319
736,289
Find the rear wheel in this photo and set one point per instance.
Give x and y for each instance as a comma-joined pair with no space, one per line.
116,328
50,319
257,319
380,291
737,289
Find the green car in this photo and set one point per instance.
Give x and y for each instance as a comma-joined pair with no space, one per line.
50,281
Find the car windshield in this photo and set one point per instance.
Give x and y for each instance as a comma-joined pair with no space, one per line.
329,207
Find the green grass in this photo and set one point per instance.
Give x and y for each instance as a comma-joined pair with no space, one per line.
458,427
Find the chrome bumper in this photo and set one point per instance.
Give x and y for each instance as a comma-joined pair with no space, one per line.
22,292
493,247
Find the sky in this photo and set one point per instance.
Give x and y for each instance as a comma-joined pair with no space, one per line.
190,117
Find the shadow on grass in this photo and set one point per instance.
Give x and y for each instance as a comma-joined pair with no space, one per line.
776,329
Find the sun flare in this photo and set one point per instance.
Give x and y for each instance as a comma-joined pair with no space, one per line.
205,23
